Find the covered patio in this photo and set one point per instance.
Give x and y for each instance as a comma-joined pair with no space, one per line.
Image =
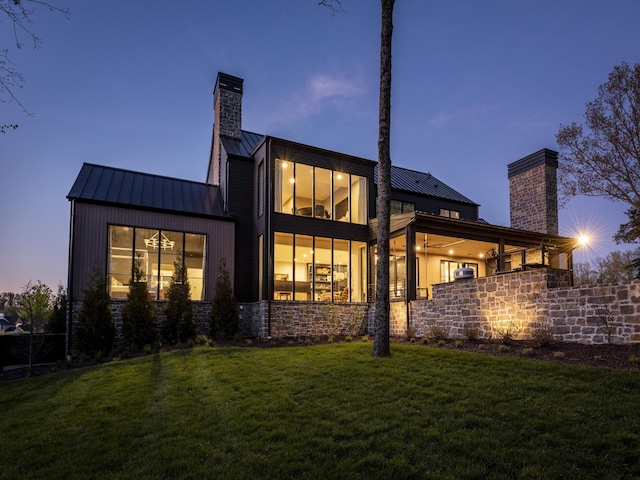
427,249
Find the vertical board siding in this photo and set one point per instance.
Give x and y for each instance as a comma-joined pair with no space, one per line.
91,231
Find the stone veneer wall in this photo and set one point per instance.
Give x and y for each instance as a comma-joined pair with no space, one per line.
288,319
296,319
518,302
533,200
521,302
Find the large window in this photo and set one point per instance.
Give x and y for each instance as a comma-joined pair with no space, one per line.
319,269
155,252
316,192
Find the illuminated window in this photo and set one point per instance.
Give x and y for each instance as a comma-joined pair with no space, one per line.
156,252
319,269
316,192
401,207
449,213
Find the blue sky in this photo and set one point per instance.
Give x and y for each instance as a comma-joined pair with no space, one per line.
476,85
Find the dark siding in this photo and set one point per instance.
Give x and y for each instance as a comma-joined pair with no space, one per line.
91,229
242,201
433,205
318,227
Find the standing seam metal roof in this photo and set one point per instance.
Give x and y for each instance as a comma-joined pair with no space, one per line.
97,183
422,183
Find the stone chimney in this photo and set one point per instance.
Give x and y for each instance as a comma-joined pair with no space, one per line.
533,192
227,119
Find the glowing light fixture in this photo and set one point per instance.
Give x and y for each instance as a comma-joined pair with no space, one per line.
163,242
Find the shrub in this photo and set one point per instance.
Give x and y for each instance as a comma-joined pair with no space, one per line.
223,323
178,324
542,335
507,334
438,332
203,340
95,331
138,313
471,332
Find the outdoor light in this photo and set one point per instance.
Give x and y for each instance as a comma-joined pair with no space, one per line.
583,240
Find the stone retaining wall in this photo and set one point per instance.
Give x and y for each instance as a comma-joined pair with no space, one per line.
519,304
522,305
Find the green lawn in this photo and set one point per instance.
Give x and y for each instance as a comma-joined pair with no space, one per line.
327,412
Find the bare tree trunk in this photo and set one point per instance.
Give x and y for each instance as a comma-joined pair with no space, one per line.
381,334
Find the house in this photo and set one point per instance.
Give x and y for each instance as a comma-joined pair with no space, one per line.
296,225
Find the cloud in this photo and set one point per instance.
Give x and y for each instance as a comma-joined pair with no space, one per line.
321,92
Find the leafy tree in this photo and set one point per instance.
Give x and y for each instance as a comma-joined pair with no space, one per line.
138,313
58,320
583,274
178,323
616,267
602,157
381,345
19,14
95,330
36,309
223,323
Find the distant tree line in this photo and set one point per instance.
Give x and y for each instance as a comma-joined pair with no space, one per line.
616,267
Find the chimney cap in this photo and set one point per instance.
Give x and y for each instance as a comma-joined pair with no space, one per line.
228,82
541,157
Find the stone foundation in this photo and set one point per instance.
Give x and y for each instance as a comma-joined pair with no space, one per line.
518,304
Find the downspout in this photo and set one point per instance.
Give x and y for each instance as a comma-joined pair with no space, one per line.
70,269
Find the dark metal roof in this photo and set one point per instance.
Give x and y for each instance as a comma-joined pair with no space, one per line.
115,186
423,184
243,147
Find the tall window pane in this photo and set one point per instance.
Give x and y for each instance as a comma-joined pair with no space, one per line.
120,260
170,249
341,290
283,266
322,270
303,261
323,193
397,267
146,253
358,200
358,272
194,258
304,190
283,186
341,197
261,189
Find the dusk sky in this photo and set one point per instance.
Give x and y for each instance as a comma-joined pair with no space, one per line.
476,86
